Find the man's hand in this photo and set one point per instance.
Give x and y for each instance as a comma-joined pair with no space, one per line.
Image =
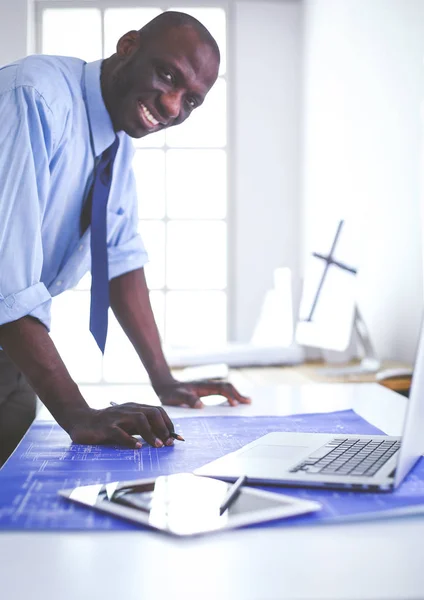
189,393
131,304
117,424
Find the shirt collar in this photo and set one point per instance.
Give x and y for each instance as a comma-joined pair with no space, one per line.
101,126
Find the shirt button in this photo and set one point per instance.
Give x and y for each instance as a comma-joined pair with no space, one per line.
59,283
81,248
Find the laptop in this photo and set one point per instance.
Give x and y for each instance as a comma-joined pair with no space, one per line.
344,461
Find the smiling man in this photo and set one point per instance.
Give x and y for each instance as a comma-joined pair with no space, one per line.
68,205
159,74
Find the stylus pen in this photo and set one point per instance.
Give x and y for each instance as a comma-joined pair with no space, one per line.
174,435
232,494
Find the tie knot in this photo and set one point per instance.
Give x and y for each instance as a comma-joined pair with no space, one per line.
106,162
110,152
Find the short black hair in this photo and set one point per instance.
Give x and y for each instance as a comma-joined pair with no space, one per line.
173,18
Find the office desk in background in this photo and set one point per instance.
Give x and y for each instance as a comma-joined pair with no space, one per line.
364,561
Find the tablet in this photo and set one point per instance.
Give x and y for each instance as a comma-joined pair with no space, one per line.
185,504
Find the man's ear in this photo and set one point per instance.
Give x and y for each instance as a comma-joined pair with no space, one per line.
127,44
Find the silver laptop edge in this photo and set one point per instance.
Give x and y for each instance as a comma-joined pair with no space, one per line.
412,444
271,458
276,471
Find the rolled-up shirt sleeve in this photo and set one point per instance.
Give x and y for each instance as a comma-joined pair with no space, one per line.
26,143
126,251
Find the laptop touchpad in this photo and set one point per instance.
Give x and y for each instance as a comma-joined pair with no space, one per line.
274,452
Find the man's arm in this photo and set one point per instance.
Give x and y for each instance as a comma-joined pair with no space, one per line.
30,347
28,344
130,301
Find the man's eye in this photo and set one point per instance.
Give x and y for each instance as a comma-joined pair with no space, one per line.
167,75
191,103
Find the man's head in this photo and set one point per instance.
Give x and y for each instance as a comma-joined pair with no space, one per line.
159,74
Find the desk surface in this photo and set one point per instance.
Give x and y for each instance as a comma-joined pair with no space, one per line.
317,372
373,560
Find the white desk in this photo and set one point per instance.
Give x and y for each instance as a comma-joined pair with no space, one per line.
361,561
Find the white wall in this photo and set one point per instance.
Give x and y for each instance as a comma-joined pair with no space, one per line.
362,144
266,133
16,29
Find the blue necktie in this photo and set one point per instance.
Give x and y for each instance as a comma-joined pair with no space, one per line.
99,258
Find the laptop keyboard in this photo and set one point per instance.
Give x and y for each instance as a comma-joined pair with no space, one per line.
342,456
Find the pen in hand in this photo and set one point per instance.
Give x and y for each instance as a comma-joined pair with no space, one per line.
232,494
174,435
177,436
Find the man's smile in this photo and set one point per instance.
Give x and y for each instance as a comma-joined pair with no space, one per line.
146,116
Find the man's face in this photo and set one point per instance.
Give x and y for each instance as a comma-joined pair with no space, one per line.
158,84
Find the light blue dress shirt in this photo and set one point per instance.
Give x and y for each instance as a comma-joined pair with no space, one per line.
53,125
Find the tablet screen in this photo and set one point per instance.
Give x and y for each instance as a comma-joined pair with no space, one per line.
186,504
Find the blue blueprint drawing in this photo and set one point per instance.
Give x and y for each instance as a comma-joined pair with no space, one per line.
47,461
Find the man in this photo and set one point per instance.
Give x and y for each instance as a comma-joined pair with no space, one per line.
65,129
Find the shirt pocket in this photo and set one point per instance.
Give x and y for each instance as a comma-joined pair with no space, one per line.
117,226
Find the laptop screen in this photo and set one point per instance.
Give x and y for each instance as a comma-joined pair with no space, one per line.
412,446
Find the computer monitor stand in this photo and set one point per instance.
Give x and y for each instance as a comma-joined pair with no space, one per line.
369,363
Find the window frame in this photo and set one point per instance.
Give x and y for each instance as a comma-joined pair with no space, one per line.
227,6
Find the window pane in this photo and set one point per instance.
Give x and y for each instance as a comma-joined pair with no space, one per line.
188,257
214,20
121,20
149,171
196,184
152,140
196,318
71,334
121,363
196,255
72,32
153,235
206,126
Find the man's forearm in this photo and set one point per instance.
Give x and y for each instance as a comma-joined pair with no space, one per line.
130,302
28,344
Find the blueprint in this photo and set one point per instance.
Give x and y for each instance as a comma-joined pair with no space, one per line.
46,461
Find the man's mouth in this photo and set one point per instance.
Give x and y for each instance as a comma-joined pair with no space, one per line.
147,116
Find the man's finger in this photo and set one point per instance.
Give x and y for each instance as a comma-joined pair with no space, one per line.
189,399
158,425
182,397
143,427
166,418
220,388
239,397
122,438
231,400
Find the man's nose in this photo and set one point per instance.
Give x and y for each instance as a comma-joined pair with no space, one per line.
171,102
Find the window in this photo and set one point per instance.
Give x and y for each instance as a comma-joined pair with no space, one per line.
181,179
